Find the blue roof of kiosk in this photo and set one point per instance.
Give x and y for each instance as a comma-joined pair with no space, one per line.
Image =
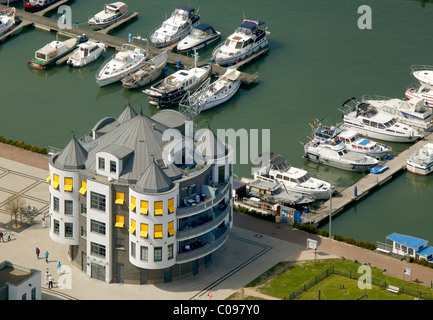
204,27
425,252
186,8
251,24
408,241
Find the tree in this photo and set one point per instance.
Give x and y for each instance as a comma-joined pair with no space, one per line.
15,205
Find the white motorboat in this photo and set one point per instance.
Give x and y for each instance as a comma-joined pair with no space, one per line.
247,39
199,37
173,88
418,92
366,120
424,74
145,75
7,20
351,139
128,60
213,94
336,155
175,28
412,112
48,55
85,53
38,5
421,162
111,14
294,179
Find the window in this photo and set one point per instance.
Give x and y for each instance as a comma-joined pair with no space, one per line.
120,243
144,207
101,163
133,253
171,207
97,249
170,254
221,172
56,180
120,221
97,201
83,209
69,207
83,232
144,230
157,254
158,208
68,184
97,226
120,198
133,226
144,253
171,229
83,188
69,229
56,227
56,204
113,166
194,188
158,231
133,204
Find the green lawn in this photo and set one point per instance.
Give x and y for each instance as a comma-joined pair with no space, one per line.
295,276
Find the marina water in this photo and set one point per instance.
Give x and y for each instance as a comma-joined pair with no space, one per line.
318,59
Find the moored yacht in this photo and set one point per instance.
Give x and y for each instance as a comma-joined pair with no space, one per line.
420,92
128,60
412,112
111,14
336,155
421,162
176,27
53,51
424,74
199,37
351,139
85,53
247,39
7,20
173,88
365,119
38,5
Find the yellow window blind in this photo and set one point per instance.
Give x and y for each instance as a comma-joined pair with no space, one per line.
83,188
171,230
49,178
144,207
120,221
171,207
158,231
133,204
120,198
56,180
132,228
144,230
68,184
158,208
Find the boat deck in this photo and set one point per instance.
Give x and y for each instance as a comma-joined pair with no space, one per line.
39,21
365,185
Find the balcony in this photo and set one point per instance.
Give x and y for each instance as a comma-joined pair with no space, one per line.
220,236
219,216
183,212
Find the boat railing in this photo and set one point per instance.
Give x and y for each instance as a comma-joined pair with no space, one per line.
217,48
421,67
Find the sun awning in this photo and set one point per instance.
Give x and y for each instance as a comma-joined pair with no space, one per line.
144,207
83,188
132,228
133,204
158,231
171,230
68,184
144,230
56,180
120,198
171,207
120,221
158,208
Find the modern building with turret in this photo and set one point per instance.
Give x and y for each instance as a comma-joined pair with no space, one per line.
132,205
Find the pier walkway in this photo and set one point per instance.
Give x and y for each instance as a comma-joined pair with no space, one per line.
48,24
365,185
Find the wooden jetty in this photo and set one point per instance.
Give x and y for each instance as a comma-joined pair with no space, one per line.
49,24
364,186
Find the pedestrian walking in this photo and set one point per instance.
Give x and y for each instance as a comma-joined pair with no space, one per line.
59,267
1,236
50,282
9,236
37,252
47,276
46,256
43,222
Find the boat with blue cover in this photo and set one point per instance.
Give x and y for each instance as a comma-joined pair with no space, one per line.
199,37
378,169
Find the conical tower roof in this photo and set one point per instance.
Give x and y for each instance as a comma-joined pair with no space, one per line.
127,114
73,156
154,180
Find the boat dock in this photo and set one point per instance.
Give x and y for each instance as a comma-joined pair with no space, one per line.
364,186
37,20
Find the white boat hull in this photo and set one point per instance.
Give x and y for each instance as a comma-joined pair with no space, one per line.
420,170
214,101
381,136
81,62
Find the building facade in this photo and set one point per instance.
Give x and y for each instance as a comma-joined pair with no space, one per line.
131,204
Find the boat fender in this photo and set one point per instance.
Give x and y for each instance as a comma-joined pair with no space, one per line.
55,53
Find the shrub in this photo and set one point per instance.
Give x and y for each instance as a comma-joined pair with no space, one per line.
23,145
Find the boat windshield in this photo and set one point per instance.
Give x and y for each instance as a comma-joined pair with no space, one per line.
390,123
41,56
198,34
233,44
245,31
304,178
180,13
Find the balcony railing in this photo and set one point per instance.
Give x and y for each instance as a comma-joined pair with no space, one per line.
206,227
203,251
182,212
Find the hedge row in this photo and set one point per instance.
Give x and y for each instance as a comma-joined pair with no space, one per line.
422,262
310,229
269,217
23,145
352,241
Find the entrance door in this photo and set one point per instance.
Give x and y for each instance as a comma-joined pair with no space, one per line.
120,273
98,272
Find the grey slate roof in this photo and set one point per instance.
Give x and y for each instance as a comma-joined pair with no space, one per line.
73,156
154,180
